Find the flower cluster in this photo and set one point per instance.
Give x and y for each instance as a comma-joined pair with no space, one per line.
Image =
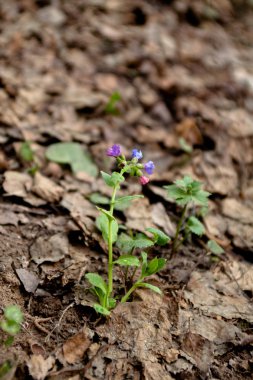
133,165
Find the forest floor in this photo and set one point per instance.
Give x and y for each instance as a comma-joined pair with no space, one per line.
183,69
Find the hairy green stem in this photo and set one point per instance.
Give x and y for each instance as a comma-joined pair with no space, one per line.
130,291
110,253
174,246
110,243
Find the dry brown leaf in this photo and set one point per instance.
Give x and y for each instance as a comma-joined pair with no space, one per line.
17,183
139,215
28,279
221,179
52,248
161,219
234,209
204,293
238,123
199,349
242,274
215,330
242,234
75,347
189,130
46,188
39,367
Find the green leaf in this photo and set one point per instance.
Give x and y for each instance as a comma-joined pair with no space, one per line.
160,237
112,180
184,145
26,152
99,293
149,286
100,309
161,264
142,241
110,107
154,266
144,263
117,178
187,190
127,198
98,198
195,226
72,154
5,368
97,281
128,260
102,223
126,243
8,342
10,327
215,247
107,178
111,303
106,213
123,202
14,314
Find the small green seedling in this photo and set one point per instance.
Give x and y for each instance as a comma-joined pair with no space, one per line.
28,157
187,148
109,227
111,106
187,194
26,152
11,323
215,250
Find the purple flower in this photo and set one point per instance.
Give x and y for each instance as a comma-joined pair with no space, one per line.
149,167
137,154
114,151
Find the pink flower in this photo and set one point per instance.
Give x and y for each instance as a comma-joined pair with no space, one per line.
144,180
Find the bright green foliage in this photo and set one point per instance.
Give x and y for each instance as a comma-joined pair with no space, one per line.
26,152
126,243
101,309
186,191
99,199
214,247
126,200
160,237
149,286
96,281
102,223
195,226
120,203
128,260
112,180
5,368
72,154
111,106
147,269
131,265
11,324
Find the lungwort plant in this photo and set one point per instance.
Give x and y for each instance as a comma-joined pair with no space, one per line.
10,325
108,225
188,194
